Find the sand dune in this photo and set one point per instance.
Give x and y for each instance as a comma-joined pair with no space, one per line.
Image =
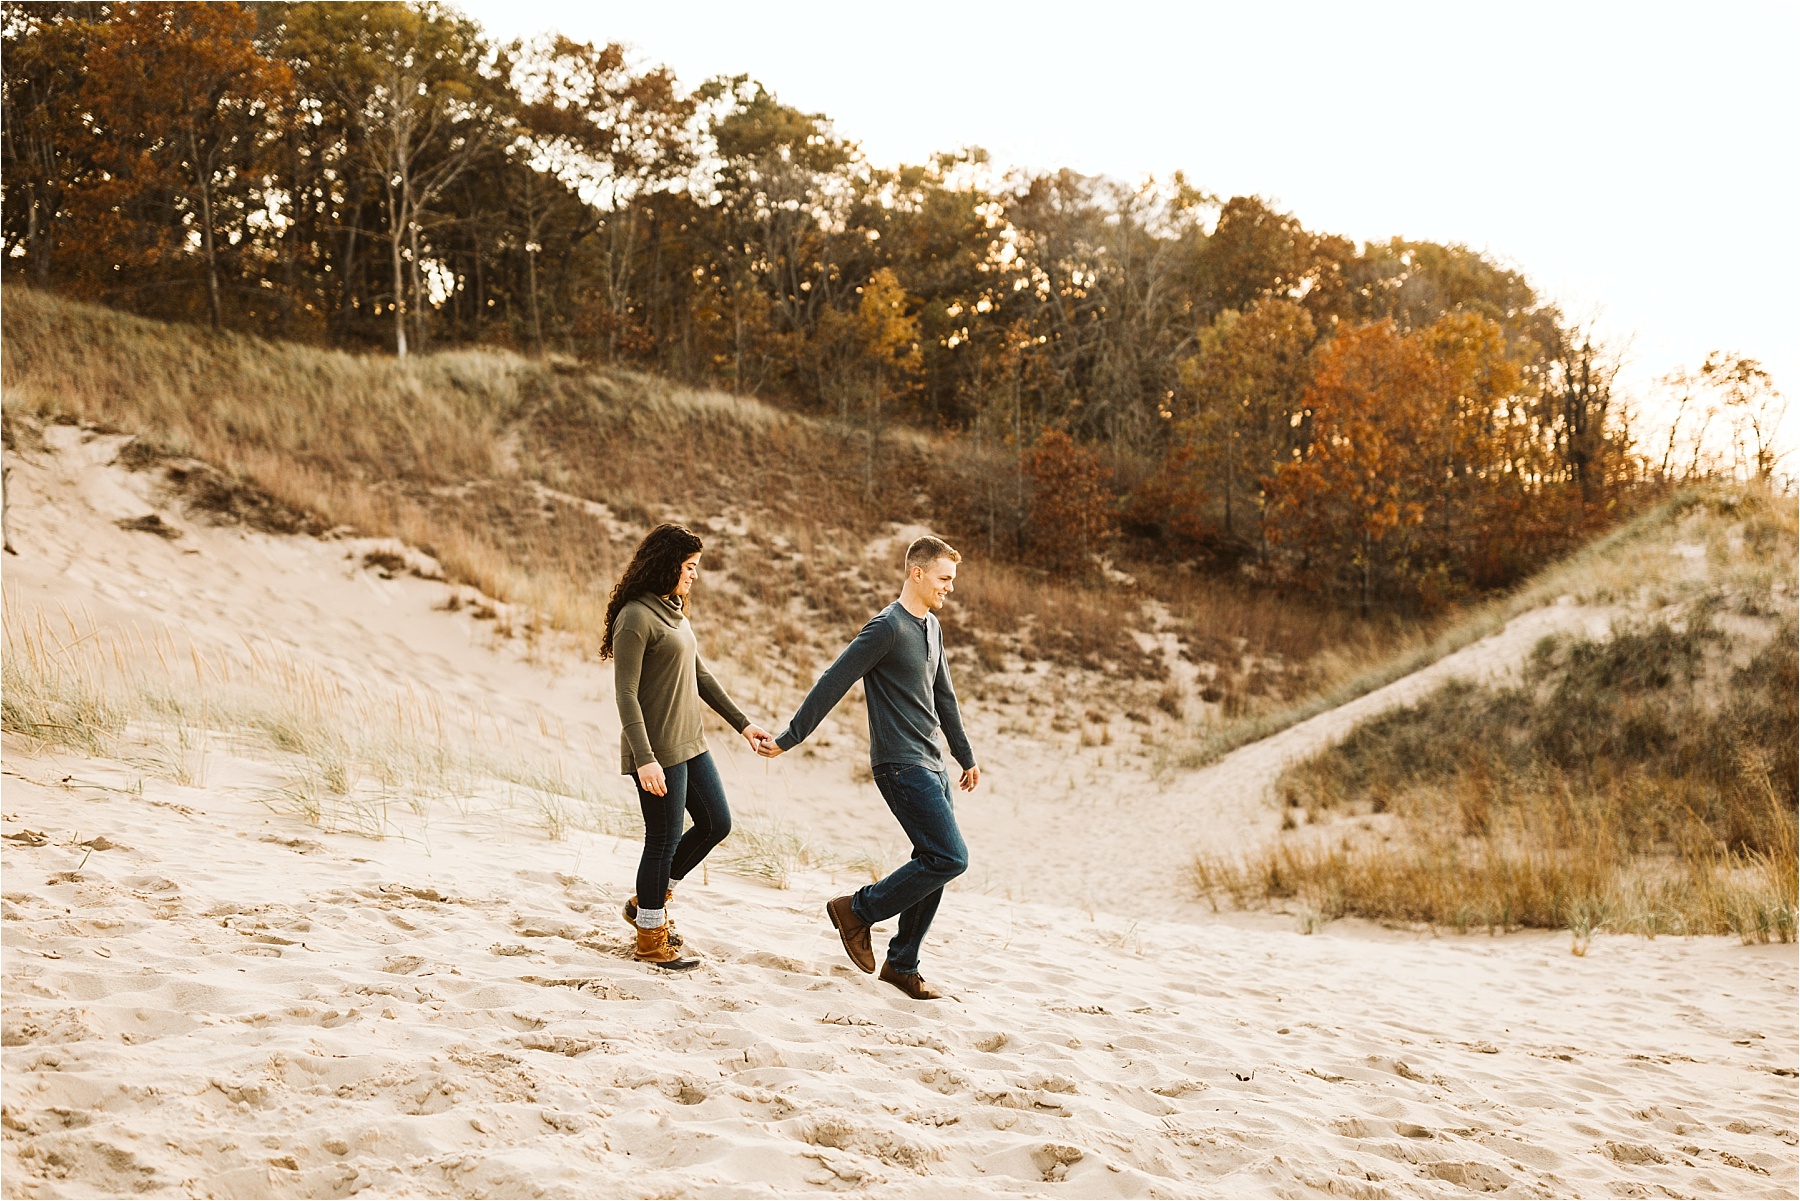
225,1003
205,995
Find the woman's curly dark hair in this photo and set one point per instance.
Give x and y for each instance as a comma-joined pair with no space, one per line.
654,570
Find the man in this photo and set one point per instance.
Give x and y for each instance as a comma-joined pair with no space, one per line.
899,656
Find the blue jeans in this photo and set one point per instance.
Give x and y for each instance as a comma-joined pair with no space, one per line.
694,788
920,800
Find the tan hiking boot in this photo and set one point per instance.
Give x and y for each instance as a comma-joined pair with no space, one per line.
653,948
910,983
631,910
853,930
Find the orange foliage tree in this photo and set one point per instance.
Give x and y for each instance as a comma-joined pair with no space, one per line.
186,105
45,149
1490,458
1072,501
1435,467
1346,514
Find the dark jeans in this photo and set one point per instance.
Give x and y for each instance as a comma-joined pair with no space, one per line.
920,799
694,787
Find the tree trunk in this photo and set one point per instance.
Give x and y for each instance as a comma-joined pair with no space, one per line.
1365,575
208,248
347,265
37,241
477,328
417,311
737,355
394,239
1451,480
874,435
1018,423
1230,482
537,323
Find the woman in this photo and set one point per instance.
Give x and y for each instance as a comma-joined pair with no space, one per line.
660,682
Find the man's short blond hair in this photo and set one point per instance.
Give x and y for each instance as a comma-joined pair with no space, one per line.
928,550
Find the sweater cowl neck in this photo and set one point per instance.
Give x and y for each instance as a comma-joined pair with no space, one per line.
669,609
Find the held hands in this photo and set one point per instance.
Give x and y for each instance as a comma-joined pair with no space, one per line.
761,741
651,777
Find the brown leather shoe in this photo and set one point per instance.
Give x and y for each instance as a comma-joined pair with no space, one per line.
630,911
853,931
653,948
910,983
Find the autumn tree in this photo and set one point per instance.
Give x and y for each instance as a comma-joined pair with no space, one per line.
771,227
1242,415
421,111
1753,407
184,104
1489,457
47,150
867,359
1413,284
1101,283
1256,252
1072,502
614,138
1578,403
1346,514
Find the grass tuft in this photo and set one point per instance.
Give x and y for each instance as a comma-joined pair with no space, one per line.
50,693
768,852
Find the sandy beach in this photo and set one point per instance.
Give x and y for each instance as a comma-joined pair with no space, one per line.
208,994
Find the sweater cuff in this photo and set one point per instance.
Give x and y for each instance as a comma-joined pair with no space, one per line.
787,740
642,753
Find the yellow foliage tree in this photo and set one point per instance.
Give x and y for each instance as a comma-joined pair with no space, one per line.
868,358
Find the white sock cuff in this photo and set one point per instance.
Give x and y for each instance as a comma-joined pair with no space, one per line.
650,919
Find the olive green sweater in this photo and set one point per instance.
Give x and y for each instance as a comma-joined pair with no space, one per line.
660,682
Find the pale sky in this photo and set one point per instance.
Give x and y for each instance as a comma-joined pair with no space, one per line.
1639,162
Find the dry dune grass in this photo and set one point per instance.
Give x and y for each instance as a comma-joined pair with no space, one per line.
1645,782
375,763
532,481
342,759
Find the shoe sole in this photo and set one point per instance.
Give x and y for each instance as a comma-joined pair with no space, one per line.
845,939
673,965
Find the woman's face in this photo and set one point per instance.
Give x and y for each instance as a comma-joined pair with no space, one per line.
690,571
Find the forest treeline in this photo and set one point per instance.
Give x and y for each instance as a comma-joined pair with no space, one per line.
1201,377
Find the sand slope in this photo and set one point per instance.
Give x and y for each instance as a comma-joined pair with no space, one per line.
224,1003
207,996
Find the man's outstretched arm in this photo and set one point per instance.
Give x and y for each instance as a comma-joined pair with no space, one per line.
863,653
